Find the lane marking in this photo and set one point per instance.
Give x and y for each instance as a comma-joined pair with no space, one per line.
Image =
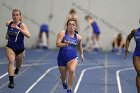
81,76
79,65
91,68
35,60
4,75
15,77
106,74
55,87
118,77
40,59
40,78
26,65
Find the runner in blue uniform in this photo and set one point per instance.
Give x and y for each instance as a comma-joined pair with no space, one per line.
96,31
136,56
68,41
15,45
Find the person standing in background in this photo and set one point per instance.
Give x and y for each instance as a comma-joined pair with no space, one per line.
44,28
96,32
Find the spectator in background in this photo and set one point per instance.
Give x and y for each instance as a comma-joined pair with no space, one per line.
73,15
43,29
118,44
96,32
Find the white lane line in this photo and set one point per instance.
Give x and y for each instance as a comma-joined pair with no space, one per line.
106,74
81,76
39,79
118,78
26,65
52,91
27,61
56,85
15,77
3,63
4,75
36,64
83,72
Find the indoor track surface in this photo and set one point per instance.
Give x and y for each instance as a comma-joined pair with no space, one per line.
101,72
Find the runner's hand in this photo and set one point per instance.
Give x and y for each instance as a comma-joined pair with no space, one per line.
82,57
126,53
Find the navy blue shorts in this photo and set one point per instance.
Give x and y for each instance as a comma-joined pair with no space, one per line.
136,52
64,58
97,33
17,52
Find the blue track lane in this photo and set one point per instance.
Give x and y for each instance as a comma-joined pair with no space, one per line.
39,73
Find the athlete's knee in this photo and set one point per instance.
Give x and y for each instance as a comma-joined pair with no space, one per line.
71,71
11,62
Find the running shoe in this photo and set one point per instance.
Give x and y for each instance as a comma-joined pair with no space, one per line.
11,85
65,85
16,71
69,91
